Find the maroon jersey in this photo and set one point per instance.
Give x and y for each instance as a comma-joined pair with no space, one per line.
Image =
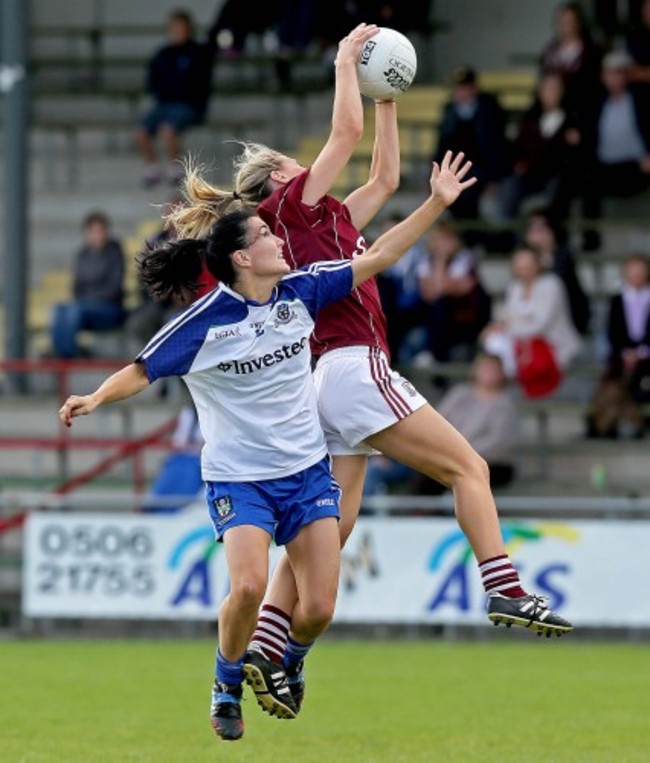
325,232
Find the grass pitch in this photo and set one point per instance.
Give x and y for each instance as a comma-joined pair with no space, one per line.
366,702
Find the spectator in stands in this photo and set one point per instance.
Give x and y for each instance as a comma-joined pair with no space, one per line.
179,480
620,135
625,386
458,305
573,54
179,80
474,122
541,149
549,239
484,411
97,292
612,155
535,307
403,306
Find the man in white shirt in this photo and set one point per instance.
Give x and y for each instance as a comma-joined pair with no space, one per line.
622,137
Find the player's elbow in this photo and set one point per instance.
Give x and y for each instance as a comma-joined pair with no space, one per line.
350,131
387,184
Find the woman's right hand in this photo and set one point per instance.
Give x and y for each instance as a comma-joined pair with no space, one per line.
76,405
350,46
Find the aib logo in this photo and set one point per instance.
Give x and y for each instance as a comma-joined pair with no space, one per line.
454,556
192,555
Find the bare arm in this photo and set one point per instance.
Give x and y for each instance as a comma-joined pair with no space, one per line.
347,117
365,202
126,382
446,185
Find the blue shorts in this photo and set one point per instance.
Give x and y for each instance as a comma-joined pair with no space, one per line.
180,116
280,506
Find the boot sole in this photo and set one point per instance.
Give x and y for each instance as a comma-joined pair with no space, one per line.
541,629
255,679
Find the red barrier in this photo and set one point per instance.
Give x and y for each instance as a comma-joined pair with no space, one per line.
64,442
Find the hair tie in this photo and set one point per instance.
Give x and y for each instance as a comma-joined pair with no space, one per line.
236,196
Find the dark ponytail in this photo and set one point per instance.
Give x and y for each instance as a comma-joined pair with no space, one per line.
171,273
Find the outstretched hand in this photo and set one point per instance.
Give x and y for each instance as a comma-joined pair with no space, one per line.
351,45
447,179
74,406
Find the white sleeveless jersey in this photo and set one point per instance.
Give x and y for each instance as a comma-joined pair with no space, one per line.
248,368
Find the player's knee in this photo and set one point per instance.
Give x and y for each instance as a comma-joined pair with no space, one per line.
470,466
248,591
318,613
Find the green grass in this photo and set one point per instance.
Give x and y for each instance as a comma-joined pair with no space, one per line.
367,702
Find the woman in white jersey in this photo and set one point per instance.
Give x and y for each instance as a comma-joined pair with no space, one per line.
243,352
364,405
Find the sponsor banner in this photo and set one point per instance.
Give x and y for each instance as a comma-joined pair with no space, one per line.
394,570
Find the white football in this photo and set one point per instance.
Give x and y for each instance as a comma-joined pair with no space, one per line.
387,65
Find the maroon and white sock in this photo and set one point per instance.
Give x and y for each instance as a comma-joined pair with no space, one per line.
271,633
499,576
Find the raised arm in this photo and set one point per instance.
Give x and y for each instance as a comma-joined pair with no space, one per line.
366,201
447,183
126,382
347,117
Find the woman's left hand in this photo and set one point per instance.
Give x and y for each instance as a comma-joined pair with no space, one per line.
447,179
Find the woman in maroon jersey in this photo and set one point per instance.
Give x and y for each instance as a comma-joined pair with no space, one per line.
365,406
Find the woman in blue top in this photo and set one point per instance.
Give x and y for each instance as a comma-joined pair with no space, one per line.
243,351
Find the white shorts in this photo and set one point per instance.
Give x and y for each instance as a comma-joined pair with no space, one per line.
360,395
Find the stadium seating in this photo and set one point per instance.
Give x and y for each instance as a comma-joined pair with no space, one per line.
86,100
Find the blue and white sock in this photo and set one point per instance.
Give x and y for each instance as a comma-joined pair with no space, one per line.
229,673
295,653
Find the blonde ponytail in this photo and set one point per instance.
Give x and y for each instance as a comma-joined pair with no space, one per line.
204,203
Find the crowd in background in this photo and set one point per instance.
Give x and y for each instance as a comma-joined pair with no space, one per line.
585,138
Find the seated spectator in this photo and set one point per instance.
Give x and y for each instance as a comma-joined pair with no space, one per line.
179,81
535,308
97,291
621,137
474,122
543,234
540,151
458,306
484,411
615,410
401,300
179,480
